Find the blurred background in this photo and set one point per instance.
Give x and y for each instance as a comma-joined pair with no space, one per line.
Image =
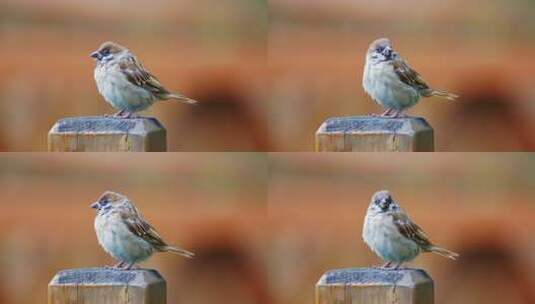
265,227
216,51
210,50
479,205
213,205
482,50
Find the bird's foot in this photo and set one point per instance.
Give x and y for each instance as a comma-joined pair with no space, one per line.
398,265
119,114
387,113
383,267
131,266
399,114
130,115
117,266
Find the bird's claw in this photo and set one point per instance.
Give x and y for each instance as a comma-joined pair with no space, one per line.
131,266
123,114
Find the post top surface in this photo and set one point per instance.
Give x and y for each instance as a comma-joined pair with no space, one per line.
375,276
105,276
101,124
373,124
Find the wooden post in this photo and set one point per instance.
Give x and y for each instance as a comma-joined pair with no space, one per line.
374,286
375,134
103,286
107,134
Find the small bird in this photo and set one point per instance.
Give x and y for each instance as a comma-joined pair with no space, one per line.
125,84
125,235
392,83
390,233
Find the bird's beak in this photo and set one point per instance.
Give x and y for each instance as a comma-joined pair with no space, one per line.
383,204
94,205
387,52
96,55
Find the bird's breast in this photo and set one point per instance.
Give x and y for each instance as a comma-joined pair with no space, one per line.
382,83
120,93
118,241
383,237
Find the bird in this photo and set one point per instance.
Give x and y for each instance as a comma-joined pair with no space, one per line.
392,83
125,235
393,236
125,84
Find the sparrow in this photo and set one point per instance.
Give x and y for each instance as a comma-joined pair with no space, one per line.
392,83
391,234
125,84
125,235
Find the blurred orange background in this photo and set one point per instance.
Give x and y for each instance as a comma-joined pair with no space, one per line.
213,205
210,50
479,205
481,50
268,73
265,227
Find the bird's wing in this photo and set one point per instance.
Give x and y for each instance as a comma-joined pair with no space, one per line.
410,230
138,226
136,74
407,75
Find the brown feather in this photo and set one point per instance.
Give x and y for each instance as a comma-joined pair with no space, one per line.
137,75
409,76
444,252
410,230
138,226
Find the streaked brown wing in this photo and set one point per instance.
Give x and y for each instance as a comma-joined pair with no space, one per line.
136,74
410,230
138,226
409,76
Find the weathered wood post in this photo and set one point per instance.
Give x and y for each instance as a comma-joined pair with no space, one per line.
107,134
374,286
107,286
375,134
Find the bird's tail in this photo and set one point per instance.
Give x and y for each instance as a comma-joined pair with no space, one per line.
180,97
179,251
443,94
444,252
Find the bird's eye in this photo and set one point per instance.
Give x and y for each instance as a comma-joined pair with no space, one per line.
103,202
105,52
380,49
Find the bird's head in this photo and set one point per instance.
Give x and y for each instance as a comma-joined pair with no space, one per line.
380,50
107,51
382,202
109,200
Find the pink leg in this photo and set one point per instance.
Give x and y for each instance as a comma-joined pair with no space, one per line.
116,266
398,114
130,115
119,114
398,265
387,113
131,266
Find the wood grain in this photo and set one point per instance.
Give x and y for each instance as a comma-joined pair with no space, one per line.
107,134
374,286
374,134
103,286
